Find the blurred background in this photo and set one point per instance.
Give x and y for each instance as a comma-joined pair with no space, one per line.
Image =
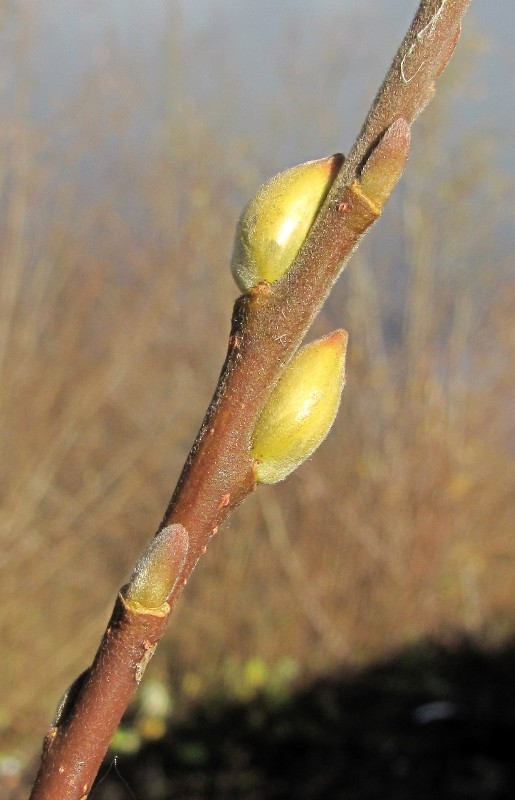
131,136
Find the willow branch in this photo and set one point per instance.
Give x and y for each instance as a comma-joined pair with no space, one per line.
270,321
268,324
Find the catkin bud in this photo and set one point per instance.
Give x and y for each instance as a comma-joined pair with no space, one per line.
158,569
301,409
276,221
385,164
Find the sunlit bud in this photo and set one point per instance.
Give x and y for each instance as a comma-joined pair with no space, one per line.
159,568
301,408
384,166
276,221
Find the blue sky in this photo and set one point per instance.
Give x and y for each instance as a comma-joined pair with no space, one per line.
250,69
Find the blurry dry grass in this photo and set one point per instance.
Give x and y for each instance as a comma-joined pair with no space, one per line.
113,321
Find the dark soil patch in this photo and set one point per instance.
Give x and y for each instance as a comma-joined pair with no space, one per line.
430,724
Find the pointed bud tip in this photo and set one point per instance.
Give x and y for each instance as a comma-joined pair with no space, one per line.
331,164
337,338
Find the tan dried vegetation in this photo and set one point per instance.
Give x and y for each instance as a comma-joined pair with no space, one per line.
114,312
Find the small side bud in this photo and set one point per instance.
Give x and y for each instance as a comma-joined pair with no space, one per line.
158,569
276,221
384,166
301,408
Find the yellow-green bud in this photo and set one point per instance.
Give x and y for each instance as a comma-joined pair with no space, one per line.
301,409
276,221
385,164
159,568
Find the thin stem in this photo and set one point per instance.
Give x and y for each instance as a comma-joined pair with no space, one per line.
269,322
71,757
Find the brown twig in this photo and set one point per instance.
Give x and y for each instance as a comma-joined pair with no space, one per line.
84,729
269,322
